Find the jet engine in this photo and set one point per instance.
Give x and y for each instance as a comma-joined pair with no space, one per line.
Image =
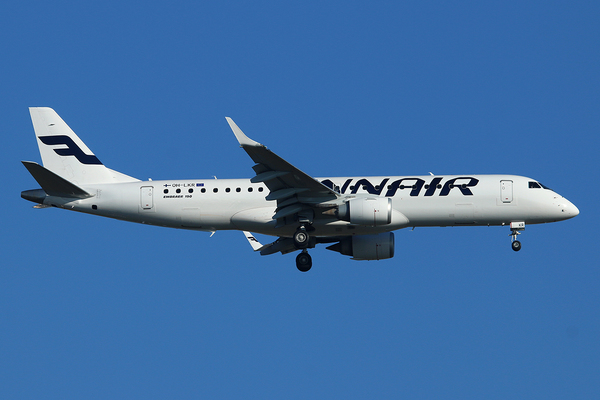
366,247
371,211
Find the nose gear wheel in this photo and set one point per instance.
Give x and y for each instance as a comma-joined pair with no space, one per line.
514,232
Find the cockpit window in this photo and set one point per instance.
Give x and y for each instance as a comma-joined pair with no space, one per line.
537,185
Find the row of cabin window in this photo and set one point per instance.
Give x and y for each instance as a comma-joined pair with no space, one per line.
260,189
215,190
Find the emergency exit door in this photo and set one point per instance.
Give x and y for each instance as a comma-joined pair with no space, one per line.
506,191
146,198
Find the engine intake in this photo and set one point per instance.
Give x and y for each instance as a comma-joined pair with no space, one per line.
371,211
366,247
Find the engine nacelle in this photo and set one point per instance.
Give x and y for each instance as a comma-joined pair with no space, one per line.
366,247
370,211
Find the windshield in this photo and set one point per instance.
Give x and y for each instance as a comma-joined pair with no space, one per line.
537,185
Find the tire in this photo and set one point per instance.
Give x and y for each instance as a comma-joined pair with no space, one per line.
301,239
303,262
516,245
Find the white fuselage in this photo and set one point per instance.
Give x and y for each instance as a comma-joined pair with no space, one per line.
238,204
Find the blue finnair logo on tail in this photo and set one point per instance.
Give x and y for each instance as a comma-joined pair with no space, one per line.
71,150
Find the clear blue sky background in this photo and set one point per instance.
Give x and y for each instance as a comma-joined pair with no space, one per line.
92,308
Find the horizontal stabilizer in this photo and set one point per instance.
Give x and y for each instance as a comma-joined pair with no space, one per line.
53,184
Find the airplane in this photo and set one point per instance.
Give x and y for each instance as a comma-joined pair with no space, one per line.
354,215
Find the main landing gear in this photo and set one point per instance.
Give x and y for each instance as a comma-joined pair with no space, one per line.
301,241
303,261
515,230
301,238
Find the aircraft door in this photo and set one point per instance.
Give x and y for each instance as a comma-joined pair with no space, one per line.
506,191
146,198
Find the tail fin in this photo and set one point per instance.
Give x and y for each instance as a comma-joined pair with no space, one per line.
64,154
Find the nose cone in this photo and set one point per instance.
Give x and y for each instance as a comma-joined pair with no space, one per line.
567,209
574,210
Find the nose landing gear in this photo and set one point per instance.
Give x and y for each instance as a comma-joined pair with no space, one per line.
515,230
516,245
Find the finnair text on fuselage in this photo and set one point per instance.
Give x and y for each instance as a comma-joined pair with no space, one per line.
389,186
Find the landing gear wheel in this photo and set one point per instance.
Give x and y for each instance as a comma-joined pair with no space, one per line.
516,245
515,230
303,261
301,238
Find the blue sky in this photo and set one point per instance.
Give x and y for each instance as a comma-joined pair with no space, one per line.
95,308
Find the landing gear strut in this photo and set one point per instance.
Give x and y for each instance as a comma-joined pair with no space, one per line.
515,230
303,261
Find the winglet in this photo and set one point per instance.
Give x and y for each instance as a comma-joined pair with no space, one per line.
256,245
240,136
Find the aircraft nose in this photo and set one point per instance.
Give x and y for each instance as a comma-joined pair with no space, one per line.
568,209
574,209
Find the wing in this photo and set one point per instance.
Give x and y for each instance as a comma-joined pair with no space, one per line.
296,193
